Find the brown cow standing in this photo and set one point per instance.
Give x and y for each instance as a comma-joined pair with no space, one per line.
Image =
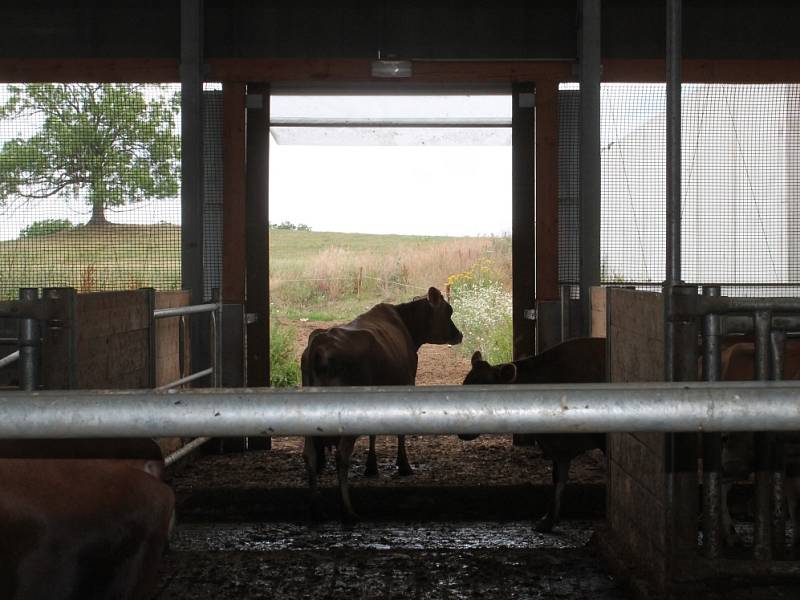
82,518
580,360
376,348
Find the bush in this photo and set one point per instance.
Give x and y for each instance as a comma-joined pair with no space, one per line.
283,368
46,227
482,311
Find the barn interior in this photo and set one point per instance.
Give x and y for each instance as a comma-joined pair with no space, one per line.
652,203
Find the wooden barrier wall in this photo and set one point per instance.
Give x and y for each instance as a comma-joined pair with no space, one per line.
636,494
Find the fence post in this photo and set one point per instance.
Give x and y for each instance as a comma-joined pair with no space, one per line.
152,359
29,344
59,343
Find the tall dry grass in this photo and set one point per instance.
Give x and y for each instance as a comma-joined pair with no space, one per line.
389,272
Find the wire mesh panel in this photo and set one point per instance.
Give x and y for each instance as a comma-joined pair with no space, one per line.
569,209
89,186
212,190
740,186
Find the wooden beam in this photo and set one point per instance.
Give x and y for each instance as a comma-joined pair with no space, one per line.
358,71
90,70
165,70
257,228
233,185
704,71
547,191
523,234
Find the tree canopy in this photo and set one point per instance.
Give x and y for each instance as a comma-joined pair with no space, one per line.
107,144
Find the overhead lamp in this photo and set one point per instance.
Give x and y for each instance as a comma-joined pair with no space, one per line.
391,68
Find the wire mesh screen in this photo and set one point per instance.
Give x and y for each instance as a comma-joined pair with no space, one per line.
568,187
89,186
212,189
740,186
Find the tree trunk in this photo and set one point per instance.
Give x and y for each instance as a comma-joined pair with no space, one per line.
98,215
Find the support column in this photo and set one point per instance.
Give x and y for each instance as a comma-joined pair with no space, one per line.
590,74
523,232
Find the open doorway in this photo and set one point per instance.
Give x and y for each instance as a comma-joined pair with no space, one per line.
374,198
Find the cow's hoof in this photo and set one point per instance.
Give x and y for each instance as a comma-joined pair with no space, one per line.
468,437
544,525
371,469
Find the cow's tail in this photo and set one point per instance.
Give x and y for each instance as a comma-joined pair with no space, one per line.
321,367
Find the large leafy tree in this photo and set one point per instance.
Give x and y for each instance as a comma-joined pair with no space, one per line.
107,144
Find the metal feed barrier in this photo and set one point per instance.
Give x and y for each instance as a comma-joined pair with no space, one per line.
664,407
769,321
32,311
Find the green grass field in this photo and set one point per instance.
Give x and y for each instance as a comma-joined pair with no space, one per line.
313,275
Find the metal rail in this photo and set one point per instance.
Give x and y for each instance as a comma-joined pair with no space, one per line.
9,359
213,308
183,451
733,406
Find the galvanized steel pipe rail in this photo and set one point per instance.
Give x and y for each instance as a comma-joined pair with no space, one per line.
735,406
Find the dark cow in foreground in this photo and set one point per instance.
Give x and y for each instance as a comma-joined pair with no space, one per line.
738,364
82,519
580,360
376,348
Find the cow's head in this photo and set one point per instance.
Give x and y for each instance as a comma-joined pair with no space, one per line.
484,373
436,315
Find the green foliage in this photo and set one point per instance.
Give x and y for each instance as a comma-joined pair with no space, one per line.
107,144
46,227
289,226
283,368
482,311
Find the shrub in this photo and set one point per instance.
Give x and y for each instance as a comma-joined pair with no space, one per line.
482,311
283,368
45,227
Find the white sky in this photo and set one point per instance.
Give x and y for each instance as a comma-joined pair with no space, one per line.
457,183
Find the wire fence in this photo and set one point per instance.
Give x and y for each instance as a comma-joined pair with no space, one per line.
740,190
89,186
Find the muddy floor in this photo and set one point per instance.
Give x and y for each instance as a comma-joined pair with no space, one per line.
460,527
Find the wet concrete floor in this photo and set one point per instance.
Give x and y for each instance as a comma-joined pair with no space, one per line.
384,560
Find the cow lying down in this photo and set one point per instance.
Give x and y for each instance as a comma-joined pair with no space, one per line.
82,519
376,348
580,360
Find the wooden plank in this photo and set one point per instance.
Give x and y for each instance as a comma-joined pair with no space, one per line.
546,191
638,460
257,202
599,319
359,71
234,193
167,342
523,217
89,70
704,71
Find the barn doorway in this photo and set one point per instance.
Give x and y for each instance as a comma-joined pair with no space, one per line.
374,198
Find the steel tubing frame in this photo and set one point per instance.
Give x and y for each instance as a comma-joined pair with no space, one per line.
664,407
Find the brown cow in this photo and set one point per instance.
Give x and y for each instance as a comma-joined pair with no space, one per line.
580,360
376,348
82,518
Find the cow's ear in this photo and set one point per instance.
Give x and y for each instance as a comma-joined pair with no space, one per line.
508,373
477,357
434,296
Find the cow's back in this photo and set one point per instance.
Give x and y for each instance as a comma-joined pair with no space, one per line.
80,528
580,360
373,349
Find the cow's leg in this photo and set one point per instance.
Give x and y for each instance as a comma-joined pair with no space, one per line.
403,468
560,475
311,456
372,459
344,452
